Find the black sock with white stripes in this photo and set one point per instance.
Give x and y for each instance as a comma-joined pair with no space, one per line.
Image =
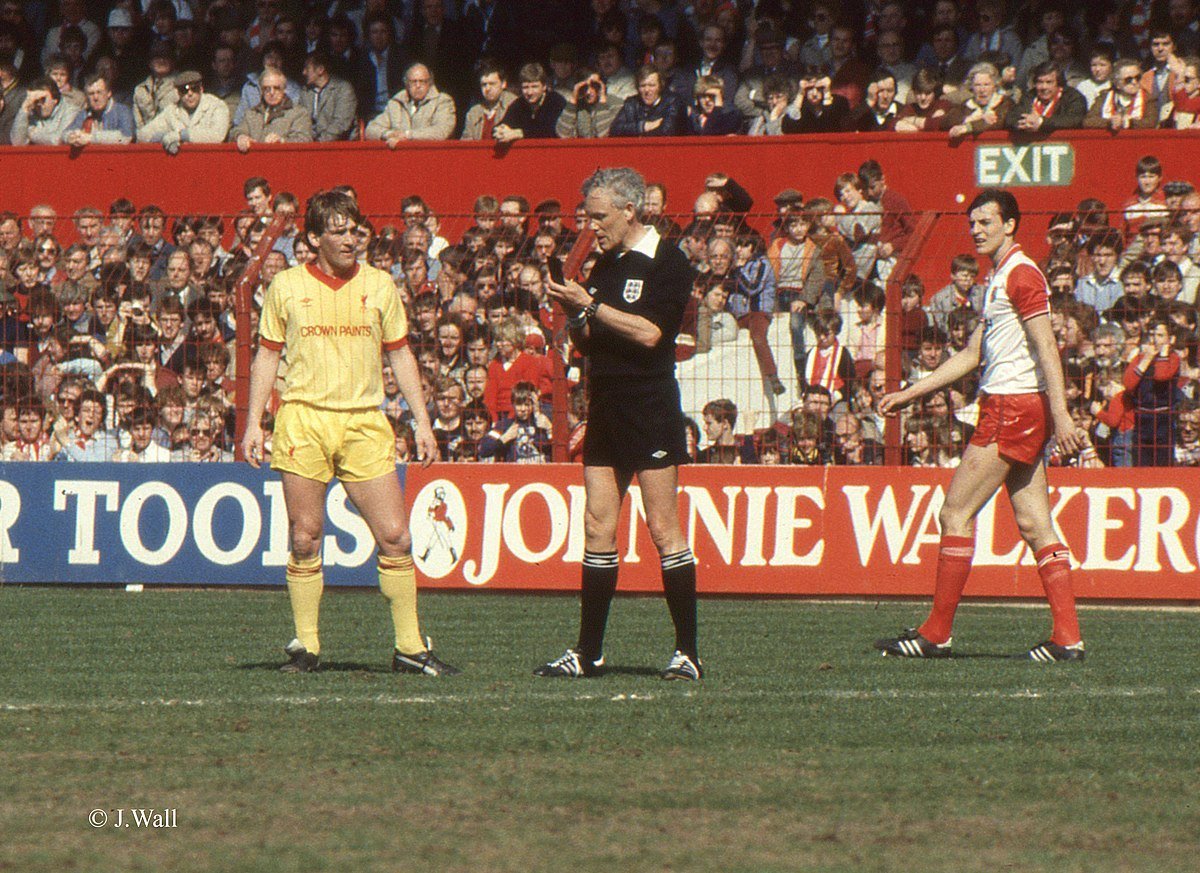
599,584
679,586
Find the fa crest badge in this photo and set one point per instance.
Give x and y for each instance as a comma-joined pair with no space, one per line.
633,290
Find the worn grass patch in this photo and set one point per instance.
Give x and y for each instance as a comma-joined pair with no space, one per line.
802,750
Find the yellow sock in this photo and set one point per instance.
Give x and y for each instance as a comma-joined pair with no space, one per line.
398,582
305,583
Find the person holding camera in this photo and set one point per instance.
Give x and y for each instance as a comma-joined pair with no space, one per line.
43,117
590,113
816,109
709,116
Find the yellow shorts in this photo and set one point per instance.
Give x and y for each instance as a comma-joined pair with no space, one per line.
354,445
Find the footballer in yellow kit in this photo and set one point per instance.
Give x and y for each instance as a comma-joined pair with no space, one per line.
335,320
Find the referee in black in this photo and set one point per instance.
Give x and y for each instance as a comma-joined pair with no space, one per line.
626,323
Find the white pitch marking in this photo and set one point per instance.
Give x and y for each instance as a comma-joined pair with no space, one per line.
865,694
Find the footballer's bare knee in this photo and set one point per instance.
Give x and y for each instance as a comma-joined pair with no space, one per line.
667,537
955,523
306,541
1036,532
599,531
394,541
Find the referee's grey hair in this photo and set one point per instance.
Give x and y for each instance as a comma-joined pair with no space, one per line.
626,186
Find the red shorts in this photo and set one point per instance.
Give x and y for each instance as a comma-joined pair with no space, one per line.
1019,424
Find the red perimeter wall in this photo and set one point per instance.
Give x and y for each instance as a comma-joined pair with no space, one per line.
929,171
934,175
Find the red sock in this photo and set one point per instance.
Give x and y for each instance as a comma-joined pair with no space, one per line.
953,568
1054,566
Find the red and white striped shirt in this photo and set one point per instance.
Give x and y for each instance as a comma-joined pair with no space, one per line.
1016,292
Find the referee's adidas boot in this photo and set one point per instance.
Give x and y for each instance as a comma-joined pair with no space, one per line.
911,644
300,659
424,663
683,667
570,665
1049,652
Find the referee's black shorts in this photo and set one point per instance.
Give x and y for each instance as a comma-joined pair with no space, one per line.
635,425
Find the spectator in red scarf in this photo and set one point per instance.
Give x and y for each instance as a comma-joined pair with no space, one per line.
829,365
1124,104
988,108
1050,105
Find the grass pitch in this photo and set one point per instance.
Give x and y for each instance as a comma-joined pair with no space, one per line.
802,749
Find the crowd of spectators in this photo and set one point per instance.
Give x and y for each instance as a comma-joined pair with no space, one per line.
121,344
189,71
1123,280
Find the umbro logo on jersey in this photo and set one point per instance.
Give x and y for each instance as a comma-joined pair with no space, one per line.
659,455
633,290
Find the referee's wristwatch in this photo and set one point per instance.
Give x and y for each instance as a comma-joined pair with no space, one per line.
579,319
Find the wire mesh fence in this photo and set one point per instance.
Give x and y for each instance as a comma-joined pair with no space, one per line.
800,321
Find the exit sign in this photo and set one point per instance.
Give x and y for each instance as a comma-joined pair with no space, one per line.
1051,163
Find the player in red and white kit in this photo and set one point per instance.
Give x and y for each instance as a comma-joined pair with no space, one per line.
1022,401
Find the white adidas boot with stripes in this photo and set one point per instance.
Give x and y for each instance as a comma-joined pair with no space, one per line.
570,665
911,644
1048,652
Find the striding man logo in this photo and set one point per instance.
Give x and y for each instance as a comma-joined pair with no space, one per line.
439,528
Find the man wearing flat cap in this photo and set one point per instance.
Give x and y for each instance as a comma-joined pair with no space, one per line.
197,117
788,197
786,201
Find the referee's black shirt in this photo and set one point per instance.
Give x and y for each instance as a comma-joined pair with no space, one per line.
655,287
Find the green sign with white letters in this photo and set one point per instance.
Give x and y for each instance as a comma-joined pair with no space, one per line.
1010,166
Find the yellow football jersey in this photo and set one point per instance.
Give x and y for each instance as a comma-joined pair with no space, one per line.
332,332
